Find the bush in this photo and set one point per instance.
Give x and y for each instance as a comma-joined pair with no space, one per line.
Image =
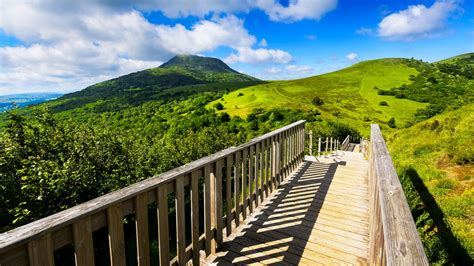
317,101
240,94
391,123
383,103
219,106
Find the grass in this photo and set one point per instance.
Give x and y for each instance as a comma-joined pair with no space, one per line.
348,94
440,151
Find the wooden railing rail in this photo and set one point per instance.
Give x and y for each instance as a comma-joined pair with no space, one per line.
250,172
345,143
332,144
394,238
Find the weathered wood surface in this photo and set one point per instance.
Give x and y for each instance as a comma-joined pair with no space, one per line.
394,237
320,215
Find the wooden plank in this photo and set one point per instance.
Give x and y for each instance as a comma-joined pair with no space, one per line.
116,236
257,173
244,183
237,173
40,251
180,220
228,191
402,244
208,208
163,225
251,183
83,244
141,228
218,203
262,170
195,215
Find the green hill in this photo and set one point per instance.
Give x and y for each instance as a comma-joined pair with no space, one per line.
464,58
349,95
181,76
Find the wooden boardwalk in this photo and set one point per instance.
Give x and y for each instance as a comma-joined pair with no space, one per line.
320,215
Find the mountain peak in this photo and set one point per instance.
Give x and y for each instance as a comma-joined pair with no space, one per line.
200,63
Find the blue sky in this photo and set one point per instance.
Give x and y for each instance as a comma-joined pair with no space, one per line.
53,45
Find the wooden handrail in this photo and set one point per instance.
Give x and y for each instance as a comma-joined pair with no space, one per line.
394,238
345,143
254,169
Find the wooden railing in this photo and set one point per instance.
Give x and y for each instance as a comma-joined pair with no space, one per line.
394,238
330,143
345,143
250,173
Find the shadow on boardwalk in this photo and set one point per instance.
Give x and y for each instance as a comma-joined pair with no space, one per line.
281,230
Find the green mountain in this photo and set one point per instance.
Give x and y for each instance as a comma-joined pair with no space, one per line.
181,76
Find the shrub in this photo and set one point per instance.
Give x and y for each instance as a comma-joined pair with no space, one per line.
391,123
219,106
383,103
317,101
240,94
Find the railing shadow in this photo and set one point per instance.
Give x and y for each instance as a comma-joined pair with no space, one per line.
280,231
457,253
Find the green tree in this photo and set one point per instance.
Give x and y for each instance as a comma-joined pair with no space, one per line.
391,123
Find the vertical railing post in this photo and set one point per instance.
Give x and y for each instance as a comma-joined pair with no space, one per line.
310,143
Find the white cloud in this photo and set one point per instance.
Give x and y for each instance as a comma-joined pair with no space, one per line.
417,21
263,43
364,31
289,71
293,69
72,44
311,37
296,9
273,70
249,55
352,57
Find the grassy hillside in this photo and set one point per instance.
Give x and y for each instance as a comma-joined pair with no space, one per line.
437,157
464,58
349,95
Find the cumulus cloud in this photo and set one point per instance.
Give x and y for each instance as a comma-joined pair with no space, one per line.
296,9
263,43
72,44
252,56
417,21
352,57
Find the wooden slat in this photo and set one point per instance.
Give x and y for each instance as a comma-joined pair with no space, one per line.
257,173
163,225
262,170
116,236
228,191
180,220
244,183
218,202
237,173
83,244
40,251
141,228
251,181
195,215
207,208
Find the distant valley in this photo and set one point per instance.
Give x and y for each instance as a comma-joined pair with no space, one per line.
12,101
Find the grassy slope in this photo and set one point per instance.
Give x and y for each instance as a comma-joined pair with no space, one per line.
359,109
432,149
466,58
